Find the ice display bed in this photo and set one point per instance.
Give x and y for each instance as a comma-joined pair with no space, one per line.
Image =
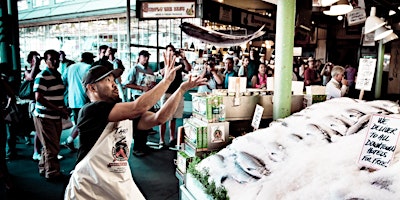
312,154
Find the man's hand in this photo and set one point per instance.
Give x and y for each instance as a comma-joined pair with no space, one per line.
169,68
193,82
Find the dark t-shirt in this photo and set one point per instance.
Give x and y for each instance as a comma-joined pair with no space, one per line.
252,69
92,120
178,77
104,61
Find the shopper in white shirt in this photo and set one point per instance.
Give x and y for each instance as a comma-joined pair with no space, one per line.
337,86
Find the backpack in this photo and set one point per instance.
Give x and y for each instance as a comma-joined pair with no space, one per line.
26,90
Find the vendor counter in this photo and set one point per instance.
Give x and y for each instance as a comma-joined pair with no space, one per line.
247,104
238,109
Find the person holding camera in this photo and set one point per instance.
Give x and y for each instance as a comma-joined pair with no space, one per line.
170,49
326,73
213,78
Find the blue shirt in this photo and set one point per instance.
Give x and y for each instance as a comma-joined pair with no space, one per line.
227,75
72,79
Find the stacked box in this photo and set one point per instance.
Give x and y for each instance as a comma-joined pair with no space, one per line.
215,135
311,99
206,107
182,161
194,133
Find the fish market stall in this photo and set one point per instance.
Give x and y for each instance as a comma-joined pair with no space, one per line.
311,154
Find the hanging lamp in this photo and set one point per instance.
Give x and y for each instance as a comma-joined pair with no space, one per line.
382,32
341,7
372,22
389,38
325,3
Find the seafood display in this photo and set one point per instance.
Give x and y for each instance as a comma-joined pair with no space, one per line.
217,38
312,154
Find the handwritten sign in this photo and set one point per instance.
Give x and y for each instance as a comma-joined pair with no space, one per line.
365,75
168,10
380,142
356,16
257,117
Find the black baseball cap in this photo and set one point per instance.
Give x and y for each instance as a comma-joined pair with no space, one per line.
144,53
87,56
98,72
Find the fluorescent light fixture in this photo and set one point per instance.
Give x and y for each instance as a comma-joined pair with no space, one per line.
382,32
342,7
389,38
372,22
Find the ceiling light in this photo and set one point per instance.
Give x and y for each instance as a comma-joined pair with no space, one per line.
340,17
390,37
325,3
392,12
382,32
372,22
342,7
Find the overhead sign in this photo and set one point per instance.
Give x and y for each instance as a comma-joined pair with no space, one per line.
380,142
356,16
365,74
225,14
249,19
168,10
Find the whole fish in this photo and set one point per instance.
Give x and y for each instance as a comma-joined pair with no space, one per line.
251,165
217,38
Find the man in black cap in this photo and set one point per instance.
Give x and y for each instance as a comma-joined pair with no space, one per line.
105,127
140,80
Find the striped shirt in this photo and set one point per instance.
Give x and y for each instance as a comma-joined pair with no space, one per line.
48,82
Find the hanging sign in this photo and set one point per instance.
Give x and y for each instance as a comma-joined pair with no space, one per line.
356,16
365,74
167,10
380,142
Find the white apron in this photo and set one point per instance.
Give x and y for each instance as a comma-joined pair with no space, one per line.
104,173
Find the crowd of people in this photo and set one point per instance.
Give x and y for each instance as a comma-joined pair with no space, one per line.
100,104
92,94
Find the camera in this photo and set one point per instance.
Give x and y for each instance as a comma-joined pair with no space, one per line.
38,58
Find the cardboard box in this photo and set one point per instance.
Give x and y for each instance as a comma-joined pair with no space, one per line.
182,161
206,107
194,132
311,99
315,90
192,151
217,135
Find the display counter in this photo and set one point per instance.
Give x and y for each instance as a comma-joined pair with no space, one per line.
247,105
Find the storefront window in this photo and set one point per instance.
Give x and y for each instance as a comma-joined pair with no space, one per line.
38,3
22,5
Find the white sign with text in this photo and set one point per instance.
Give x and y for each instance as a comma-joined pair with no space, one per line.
168,9
365,74
255,123
380,142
